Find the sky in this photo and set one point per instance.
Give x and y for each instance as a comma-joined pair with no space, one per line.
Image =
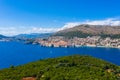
44,16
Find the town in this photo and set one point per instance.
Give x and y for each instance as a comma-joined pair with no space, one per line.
94,41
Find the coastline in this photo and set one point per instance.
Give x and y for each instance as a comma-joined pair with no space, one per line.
35,52
79,46
67,46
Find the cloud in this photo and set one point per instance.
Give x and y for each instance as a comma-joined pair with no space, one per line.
109,21
10,31
70,25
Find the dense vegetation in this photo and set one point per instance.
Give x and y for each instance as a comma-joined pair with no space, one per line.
64,68
80,34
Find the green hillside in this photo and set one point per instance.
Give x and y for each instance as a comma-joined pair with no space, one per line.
64,68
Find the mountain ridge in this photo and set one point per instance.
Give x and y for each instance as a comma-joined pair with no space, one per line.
34,35
2,36
90,30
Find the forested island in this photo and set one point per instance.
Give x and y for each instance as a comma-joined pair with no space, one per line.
74,67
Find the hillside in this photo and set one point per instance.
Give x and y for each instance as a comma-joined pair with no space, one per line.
90,30
64,68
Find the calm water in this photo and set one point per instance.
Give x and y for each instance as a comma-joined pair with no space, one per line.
16,53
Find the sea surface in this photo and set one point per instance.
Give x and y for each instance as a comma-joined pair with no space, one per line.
18,53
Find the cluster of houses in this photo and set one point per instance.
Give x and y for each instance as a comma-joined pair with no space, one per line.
94,41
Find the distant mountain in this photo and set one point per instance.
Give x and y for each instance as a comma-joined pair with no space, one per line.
2,36
34,35
90,30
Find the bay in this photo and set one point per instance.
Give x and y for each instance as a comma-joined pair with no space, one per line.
18,53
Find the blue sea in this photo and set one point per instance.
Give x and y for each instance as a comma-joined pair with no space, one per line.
18,53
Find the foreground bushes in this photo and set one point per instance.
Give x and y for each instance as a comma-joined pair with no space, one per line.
64,68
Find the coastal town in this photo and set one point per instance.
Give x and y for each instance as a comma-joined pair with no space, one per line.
94,41
61,41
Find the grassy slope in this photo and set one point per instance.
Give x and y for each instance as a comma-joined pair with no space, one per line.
64,68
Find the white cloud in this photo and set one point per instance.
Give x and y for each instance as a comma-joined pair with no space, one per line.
70,25
109,21
10,31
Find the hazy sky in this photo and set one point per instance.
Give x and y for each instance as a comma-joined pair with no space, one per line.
30,16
